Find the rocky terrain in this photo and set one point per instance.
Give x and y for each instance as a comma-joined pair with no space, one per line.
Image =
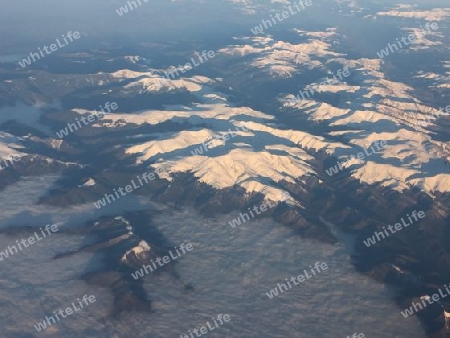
231,134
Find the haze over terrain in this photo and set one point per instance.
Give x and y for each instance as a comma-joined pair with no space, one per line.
229,168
